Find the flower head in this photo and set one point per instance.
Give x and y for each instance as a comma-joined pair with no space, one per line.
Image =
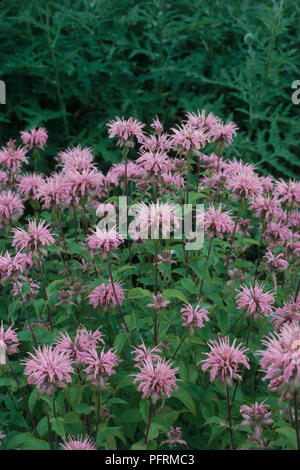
287,314
10,206
104,241
275,263
194,317
29,184
37,236
156,378
142,353
255,300
217,222
9,340
79,443
223,360
12,157
99,366
174,437
159,218
84,341
35,138
104,295
256,416
126,131
48,368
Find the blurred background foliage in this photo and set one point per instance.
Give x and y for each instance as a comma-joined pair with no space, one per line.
71,65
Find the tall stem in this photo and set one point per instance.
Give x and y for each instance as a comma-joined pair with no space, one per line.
98,413
27,316
296,420
63,240
231,241
180,344
205,268
75,224
54,414
117,302
229,417
45,294
149,422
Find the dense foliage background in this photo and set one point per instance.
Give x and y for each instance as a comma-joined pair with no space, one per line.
73,65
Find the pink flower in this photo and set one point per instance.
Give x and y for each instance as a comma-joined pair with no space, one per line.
277,234
156,143
156,379
223,360
256,416
12,157
55,191
9,340
275,263
244,183
99,366
34,238
255,300
13,266
104,296
209,123
3,178
281,360
266,207
82,183
29,184
79,443
217,222
32,289
35,138
289,313
174,437
194,317
48,368
158,302
126,131
288,192
10,205
84,341
223,133
142,353
154,163
77,158
159,218
157,126
104,241
186,139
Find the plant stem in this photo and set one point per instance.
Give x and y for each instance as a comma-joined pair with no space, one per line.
75,224
231,241
118,304
149,422
54,414
229,417
296,420
97,413
205,267
45,295
180,344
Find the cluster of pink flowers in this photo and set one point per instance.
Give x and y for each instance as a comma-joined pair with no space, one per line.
36,138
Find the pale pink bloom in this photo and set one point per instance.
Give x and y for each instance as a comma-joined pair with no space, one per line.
100,365
212,162
223,133
288,192
84,341
156,218
277,234
170,182
223,360
126,131
158,302
9,340
104,241
3,178
55,191
217,222
34,287
265,206
255,300
209,123
156,379
12,157
76,158
244,184
216,181
142,353
10,205
194,317
79,443
256,417
235,166
82,183
29,184
157,142
178,165
174,437
48,368
267,182
154,163
275,263
103,295
186,139
117,173
281,360
37,236
294,219
287,314
35,138
157,125
12,266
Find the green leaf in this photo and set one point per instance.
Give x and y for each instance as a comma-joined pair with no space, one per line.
174,293
35,444
19,439
185,397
